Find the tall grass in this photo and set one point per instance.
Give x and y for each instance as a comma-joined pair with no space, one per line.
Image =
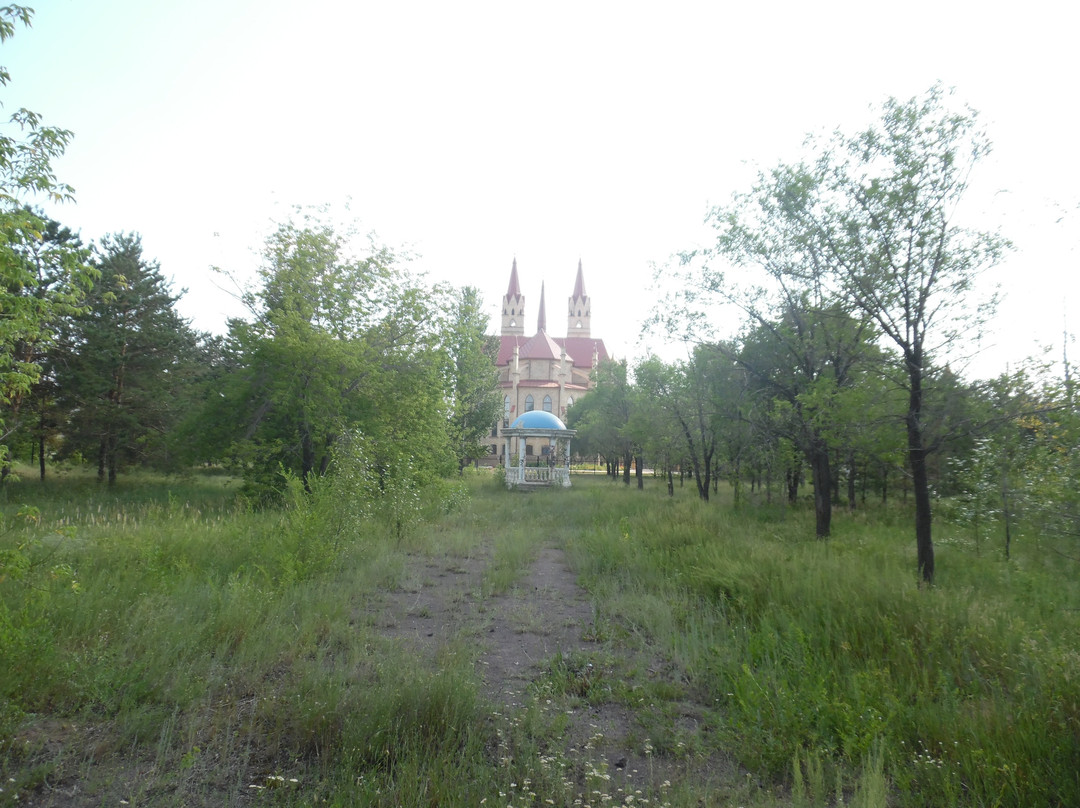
162,643
966,693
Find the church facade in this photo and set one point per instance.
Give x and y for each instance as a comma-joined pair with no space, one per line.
542,372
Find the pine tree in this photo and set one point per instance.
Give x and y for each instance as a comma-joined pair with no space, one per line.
120,362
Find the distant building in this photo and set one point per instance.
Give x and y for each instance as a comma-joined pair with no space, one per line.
542,372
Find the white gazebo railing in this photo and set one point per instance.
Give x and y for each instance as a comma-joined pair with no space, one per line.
554,472
545,475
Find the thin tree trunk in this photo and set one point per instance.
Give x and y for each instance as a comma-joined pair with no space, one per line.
307,455
1006,511
792,475
920,479
851,480
820,473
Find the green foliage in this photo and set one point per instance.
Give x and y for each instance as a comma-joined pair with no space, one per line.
41,279
231,648
856,244
120,362
474,381
601,417
832,660
338,343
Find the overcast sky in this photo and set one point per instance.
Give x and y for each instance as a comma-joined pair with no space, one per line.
474,133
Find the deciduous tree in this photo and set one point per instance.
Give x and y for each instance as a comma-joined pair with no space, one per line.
33,297
474,380
887,220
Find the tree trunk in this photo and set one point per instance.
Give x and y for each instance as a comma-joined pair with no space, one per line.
821,476
920,479
307,455
671,482
1006,511
792,476
736,479
627,460
851,480
637,473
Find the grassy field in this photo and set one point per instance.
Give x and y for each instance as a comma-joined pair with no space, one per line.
162,644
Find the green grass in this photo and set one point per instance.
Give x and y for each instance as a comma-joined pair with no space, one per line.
162,643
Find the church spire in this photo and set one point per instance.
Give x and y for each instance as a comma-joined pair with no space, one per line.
541,319
514,289
513,306
579,312
579,284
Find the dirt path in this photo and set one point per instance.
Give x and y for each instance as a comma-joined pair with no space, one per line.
544,614
521,635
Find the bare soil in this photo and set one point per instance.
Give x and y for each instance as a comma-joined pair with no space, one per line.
546,616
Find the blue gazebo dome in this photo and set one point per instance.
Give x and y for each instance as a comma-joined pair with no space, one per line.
537,419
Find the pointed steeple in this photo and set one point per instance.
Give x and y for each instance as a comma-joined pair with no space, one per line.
579,284
579,313
513,306
541,319
514,289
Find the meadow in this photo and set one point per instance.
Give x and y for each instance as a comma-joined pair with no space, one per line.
163,643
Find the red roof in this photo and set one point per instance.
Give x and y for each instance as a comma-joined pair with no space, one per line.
580,349
541,347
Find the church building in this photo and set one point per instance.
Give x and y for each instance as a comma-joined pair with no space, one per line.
542,372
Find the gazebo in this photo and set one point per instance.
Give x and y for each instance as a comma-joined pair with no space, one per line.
553,465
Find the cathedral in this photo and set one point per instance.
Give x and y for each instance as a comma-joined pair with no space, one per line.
542,372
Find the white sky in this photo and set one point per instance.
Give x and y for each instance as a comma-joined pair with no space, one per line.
477,132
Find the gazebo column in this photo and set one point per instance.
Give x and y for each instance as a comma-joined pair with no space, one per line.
509,481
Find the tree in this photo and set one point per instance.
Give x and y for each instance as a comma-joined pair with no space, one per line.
602,417
653,421
808,360
887,224
118,361
693,393
53,259
31,304
801,343
343,349
476,403
872,220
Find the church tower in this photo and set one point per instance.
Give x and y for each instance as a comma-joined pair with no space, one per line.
580,309
513,307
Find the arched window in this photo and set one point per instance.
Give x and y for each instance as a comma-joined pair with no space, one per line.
569,402
529,403
506,411
547,403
